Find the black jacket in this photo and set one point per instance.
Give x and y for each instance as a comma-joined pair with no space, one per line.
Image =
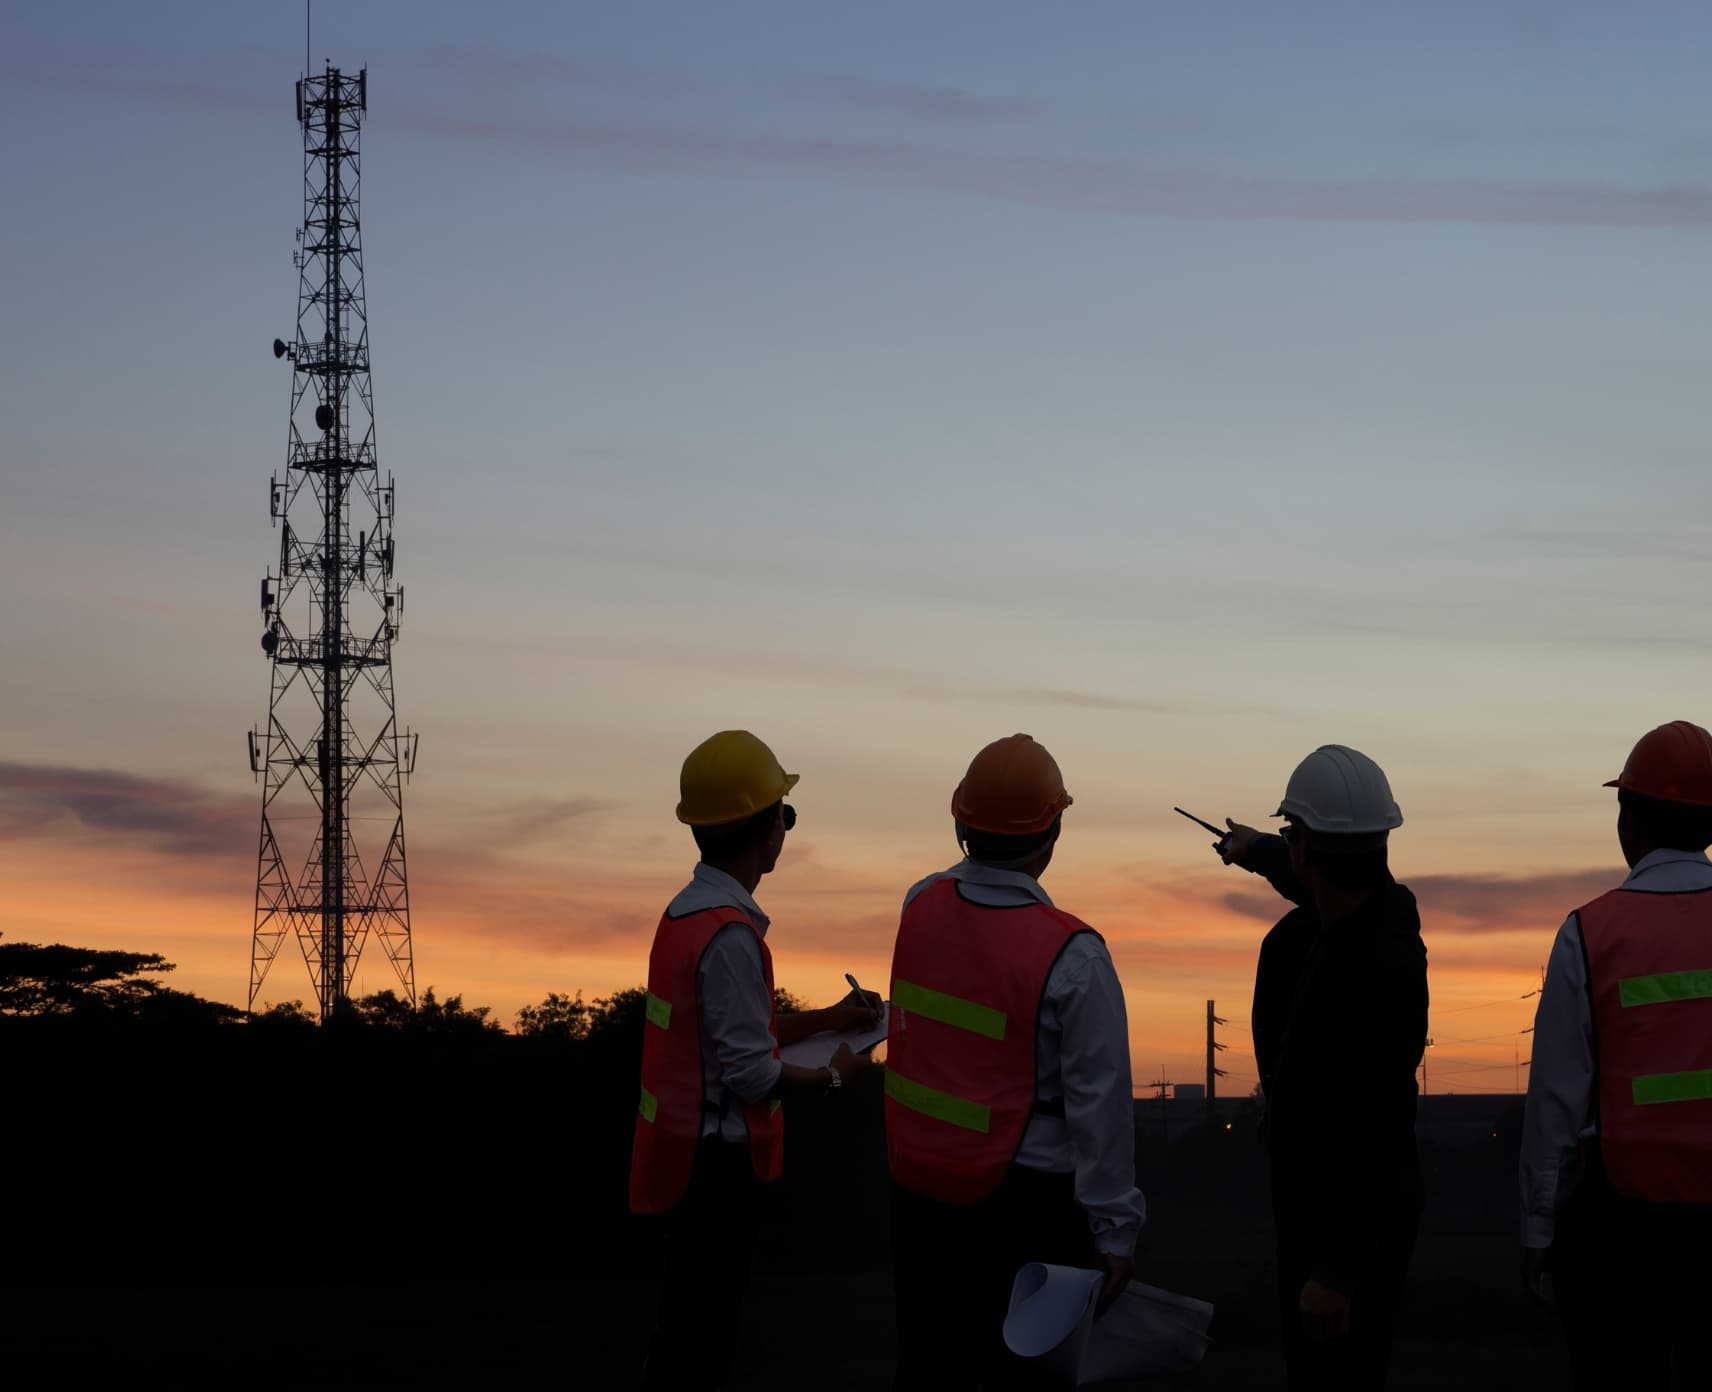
1340,1021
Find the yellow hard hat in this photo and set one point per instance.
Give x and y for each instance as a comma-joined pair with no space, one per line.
730,776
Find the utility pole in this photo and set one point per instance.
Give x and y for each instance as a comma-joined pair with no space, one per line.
1213,1071
1164,1116
1424,1066
333,756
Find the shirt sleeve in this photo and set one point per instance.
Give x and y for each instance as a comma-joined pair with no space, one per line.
1560,1087
1099,1108
1269,857
737,1013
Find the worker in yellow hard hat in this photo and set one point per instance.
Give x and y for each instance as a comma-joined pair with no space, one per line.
709,1129
1010,1125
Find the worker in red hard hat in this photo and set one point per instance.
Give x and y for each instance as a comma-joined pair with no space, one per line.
1010,1126
1616,1165
1340,1023
709,1128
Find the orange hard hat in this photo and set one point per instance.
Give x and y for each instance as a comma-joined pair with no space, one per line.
1013,787
1672,763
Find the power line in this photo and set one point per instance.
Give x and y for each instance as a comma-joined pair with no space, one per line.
1487,1005
1488,1038
1478,1067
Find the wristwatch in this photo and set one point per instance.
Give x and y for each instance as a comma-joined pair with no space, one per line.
833,1078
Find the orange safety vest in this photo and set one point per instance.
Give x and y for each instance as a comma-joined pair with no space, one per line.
669,1116
1649,976
967,982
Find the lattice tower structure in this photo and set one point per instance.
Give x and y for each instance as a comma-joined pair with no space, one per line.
333,759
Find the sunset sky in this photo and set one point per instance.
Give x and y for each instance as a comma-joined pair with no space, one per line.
1185,385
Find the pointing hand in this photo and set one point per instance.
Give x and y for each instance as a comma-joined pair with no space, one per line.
1233,850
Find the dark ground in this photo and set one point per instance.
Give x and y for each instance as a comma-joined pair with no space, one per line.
294,1209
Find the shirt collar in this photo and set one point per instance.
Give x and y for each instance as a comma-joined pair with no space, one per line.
1652,860
720,890
969,872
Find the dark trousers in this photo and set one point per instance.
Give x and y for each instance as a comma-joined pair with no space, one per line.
953,1265
1357,1363
709,1238
1633,1286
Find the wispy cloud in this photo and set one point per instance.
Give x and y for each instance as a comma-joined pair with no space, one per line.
529,821
925,102
1611,534
1077,184
1456,903
1094,700
929,102
162,814
1060,181
815,667
491,65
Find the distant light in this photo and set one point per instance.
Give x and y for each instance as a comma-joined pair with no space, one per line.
1227,1126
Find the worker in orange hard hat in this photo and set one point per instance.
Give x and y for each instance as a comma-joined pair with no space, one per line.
1010,1127
1616,1165
709,1128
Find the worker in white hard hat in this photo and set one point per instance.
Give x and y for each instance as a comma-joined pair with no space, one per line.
709,1129
1340,1023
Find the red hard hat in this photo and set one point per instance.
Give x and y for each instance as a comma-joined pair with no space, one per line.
1672,763
1013,788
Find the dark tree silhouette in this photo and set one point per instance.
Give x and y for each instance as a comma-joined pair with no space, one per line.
452,1016
54,979
285,1014
386,1010
558,1017
618,1018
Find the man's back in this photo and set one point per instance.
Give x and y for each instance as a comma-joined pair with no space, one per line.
1341,1100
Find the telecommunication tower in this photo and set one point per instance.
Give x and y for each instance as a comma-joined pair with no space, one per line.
333,760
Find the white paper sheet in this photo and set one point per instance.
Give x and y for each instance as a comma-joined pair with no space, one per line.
1147,1330
817,1050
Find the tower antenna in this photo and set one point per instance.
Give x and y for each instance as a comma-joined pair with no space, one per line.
333,758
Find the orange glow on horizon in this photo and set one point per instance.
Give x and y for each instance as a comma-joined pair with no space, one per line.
503,934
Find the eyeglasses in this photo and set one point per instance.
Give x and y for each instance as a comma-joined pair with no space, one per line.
790,816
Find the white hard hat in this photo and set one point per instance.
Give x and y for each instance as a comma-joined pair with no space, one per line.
1341,792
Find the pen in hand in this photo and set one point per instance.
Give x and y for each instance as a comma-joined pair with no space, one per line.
861,995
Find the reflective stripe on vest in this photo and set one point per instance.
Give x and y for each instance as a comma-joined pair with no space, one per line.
659,1011
669,1110
950,1010
967,982
1651,994
918,1097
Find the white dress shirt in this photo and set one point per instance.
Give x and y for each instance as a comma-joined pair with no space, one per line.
737,1041
1560,1111
1081,1055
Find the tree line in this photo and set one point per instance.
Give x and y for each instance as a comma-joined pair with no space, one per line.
43,980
